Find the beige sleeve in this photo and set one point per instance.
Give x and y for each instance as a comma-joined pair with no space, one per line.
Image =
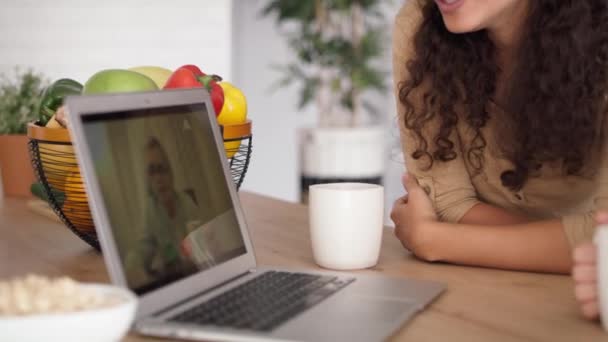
580,227
447,183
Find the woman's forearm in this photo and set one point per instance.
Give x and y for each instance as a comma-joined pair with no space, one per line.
487,214
537,246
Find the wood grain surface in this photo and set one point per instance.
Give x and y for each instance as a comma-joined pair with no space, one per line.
479,305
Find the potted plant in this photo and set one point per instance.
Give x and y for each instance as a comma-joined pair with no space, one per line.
337,45
19,99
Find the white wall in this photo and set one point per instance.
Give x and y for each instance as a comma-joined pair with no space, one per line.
76,38
257,45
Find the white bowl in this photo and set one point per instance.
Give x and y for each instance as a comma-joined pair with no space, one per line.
95,325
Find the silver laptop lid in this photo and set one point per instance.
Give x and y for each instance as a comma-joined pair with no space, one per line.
164,205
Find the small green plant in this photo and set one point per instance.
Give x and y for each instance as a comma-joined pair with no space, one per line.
338,44
19,100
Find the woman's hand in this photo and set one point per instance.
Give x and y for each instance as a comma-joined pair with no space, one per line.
414,215
584,273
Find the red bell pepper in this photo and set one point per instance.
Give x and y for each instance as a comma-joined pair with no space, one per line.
190,76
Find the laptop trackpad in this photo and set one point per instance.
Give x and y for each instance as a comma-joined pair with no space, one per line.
349,317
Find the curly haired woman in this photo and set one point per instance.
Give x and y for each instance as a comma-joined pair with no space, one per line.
502,108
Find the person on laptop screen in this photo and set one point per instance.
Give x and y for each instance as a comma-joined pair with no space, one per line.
174,240
170,215
167,212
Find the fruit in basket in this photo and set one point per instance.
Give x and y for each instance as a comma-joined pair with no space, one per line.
233,112
231,147
53,96
190,76
56,159
61,117
37,189
74,186
158,74
76,206
53,123
118,81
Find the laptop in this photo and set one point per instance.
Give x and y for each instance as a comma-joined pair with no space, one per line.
173,231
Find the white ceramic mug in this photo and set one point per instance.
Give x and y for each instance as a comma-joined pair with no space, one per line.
346,223
601,242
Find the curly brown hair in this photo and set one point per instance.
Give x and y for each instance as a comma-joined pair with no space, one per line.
555,97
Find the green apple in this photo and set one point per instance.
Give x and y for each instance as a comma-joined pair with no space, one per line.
118,81
158,74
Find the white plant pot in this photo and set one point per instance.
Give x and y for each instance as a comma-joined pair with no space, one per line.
343,153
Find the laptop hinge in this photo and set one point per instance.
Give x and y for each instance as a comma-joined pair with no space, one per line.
173,306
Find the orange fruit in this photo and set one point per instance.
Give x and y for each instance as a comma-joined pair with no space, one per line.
76,206
57,161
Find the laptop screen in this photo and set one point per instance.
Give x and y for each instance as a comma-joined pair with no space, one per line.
165,192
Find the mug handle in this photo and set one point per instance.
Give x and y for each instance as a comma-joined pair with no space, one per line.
601,242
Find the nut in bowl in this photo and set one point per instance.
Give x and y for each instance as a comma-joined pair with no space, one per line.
37,308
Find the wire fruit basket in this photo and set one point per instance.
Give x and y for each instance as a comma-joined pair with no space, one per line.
56,168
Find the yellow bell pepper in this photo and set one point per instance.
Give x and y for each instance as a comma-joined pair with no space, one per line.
234,111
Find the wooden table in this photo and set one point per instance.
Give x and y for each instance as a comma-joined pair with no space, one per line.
479,305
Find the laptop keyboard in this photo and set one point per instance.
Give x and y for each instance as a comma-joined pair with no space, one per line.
264,302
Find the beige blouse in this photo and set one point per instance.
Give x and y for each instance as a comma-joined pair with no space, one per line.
455,188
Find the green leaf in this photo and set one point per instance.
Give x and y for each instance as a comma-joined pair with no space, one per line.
371,45
371,109
336,84
315,49
291,10
366,77
308,92
346,100
291,73
19,100
38,190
